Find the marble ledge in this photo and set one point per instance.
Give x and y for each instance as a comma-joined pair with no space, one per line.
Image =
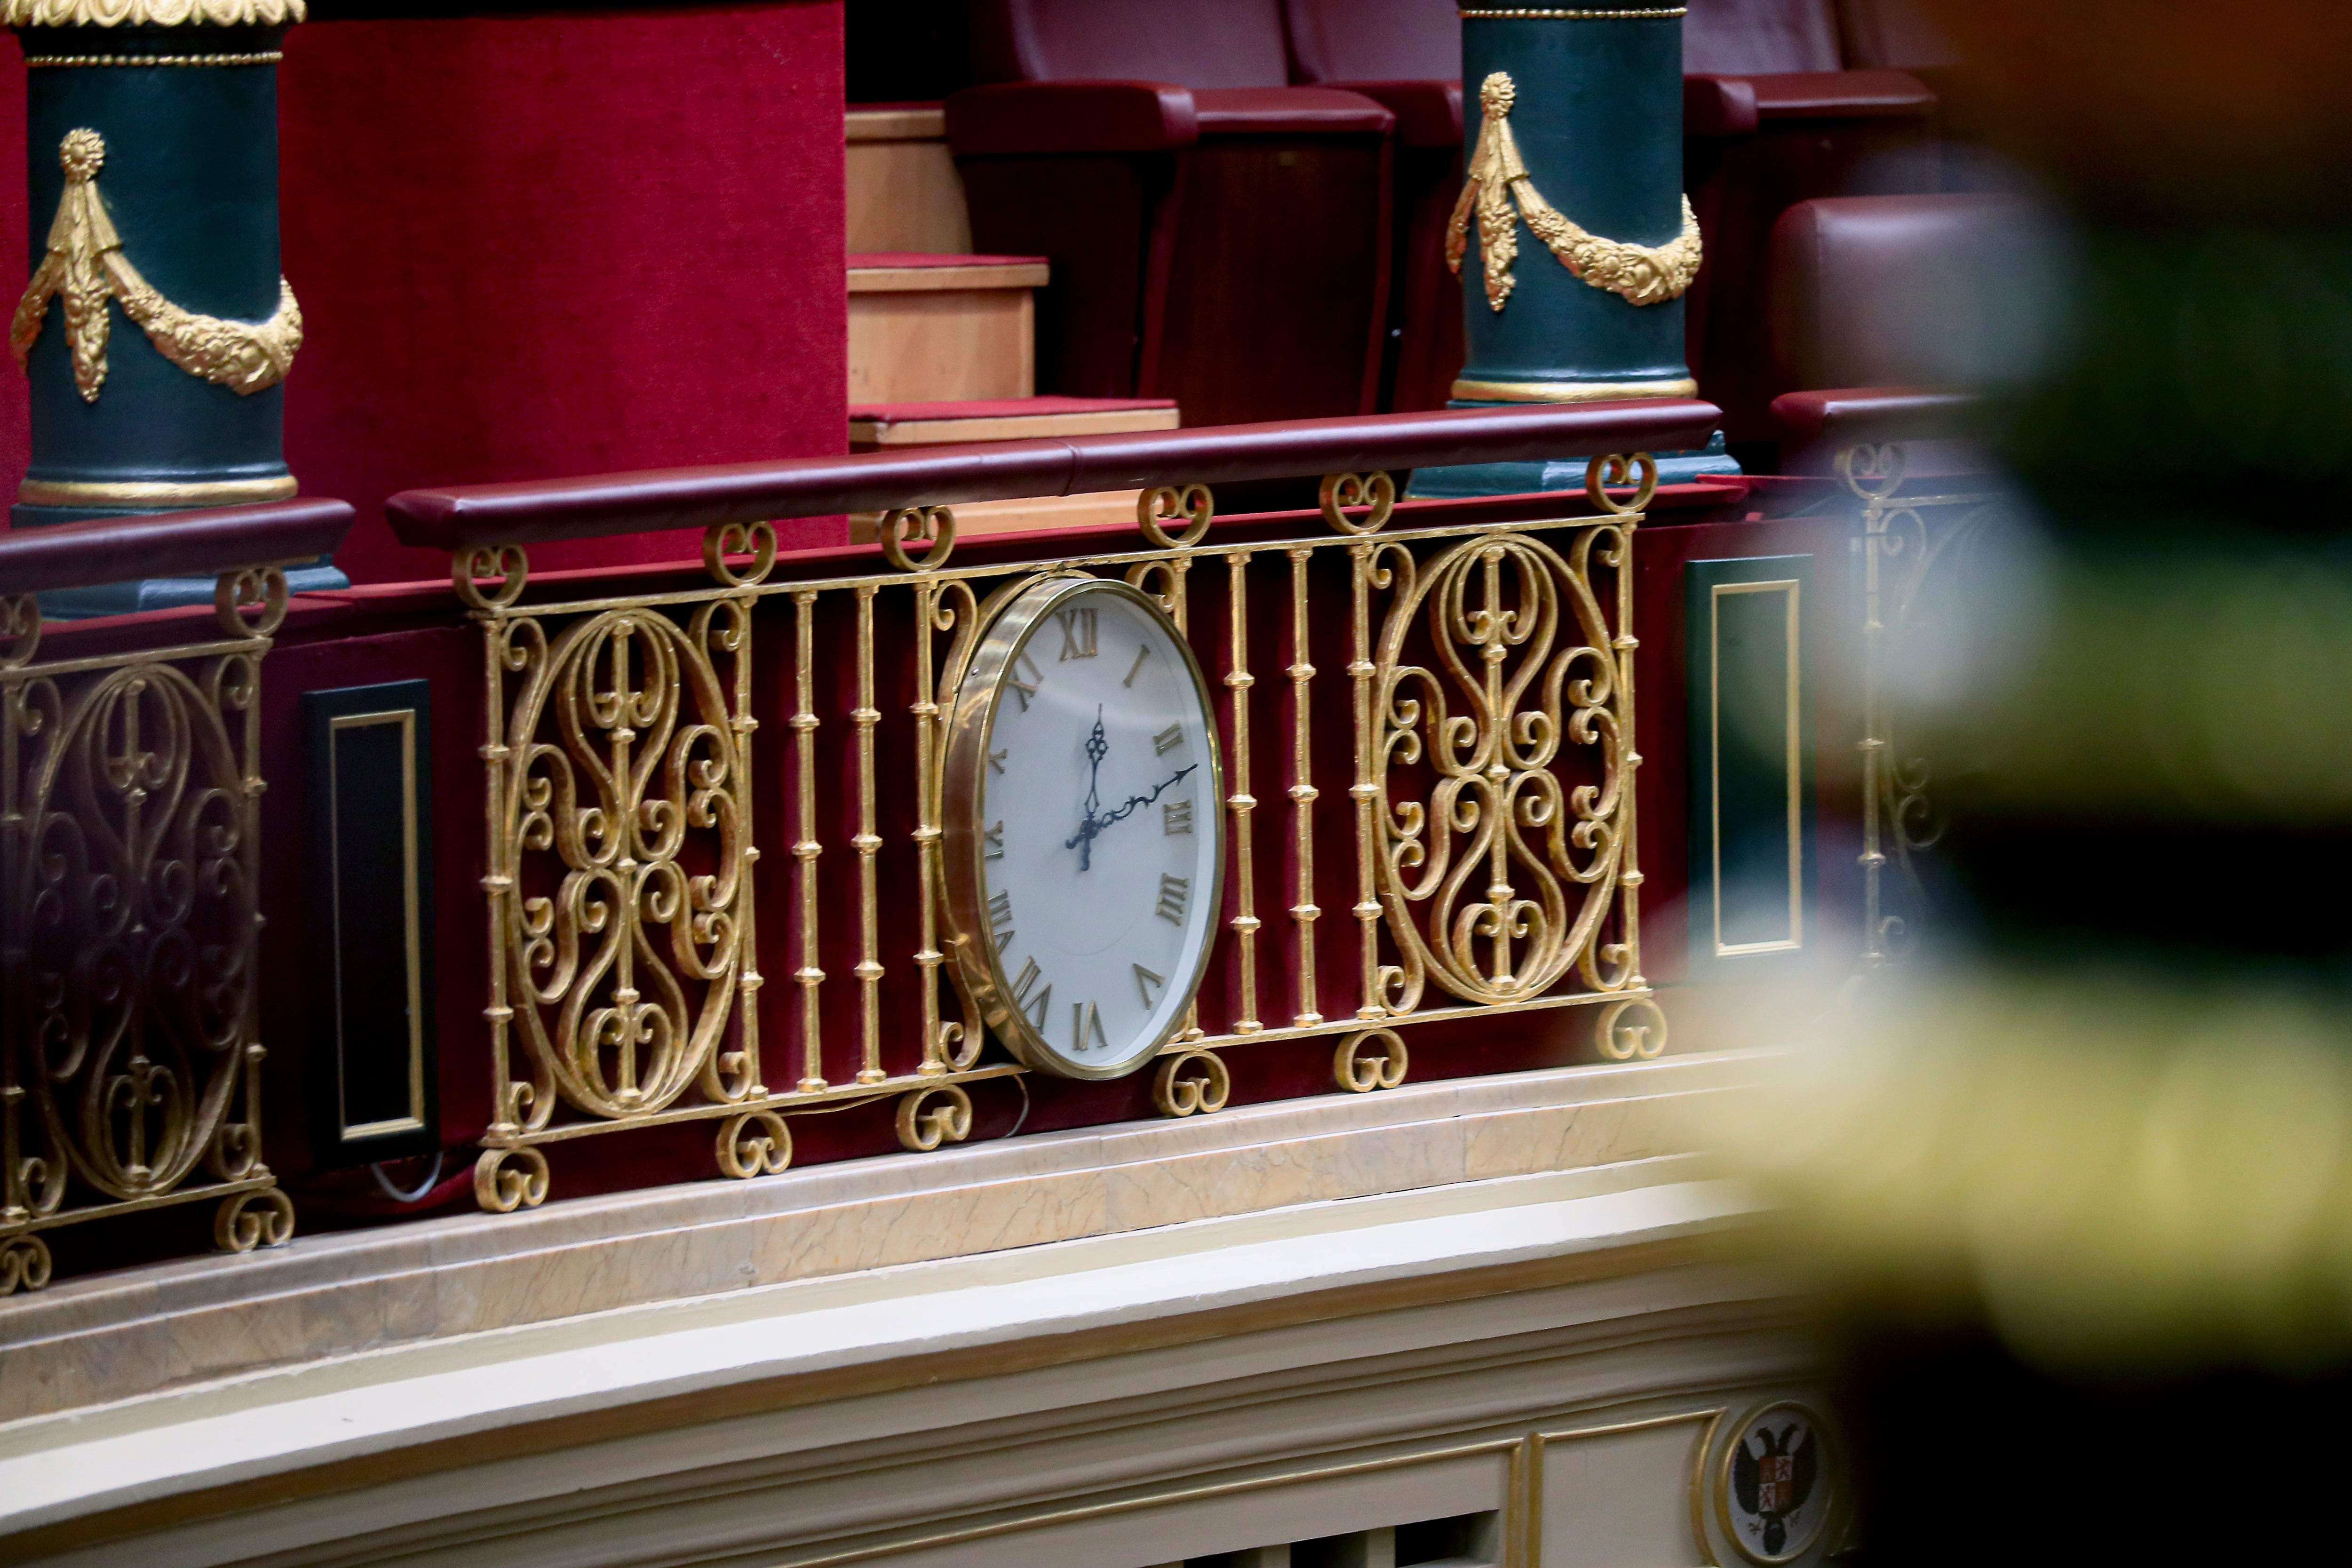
90,1341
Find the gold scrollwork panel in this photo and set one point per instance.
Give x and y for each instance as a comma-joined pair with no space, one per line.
626,857
129,931
1497,873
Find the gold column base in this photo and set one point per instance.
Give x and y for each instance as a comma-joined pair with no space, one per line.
157,493
1570,391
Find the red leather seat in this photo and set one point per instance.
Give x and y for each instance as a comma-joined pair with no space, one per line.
1771,118
1936,292
1217,235
1407,54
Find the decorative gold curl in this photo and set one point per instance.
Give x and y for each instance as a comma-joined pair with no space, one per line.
20,630
1363,1074
1615,469
922,1129
1158,507
1638,273
1873,472
1375,490
262,589
24,1264
721,540
85,264
902,524
240,1226
756,1143
474,564
1195,1081
1622,1042
500,1189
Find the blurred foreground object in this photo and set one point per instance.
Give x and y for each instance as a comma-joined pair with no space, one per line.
2081,1179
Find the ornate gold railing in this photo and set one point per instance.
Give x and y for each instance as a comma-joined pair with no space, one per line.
1478,731
1908,542
130,795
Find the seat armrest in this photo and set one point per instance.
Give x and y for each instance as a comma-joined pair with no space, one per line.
1840,95
1718,106
1287,111
1847,416
1428,113
1033,117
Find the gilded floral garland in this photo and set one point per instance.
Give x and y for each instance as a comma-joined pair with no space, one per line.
1639,274
86,266
151,12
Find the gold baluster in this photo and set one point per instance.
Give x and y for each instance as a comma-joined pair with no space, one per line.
869,963
1238,681
926,709
1303,913
1361,669
805,847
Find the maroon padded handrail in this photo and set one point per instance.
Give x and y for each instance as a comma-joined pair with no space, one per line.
170,545
1875,414
541,510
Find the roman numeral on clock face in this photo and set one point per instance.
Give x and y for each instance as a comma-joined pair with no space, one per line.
1032,1007
1085,1027
1141,653
1025,689
993,841
1175,894
1000,919
1175,818
1144,980
1077,633
1168,740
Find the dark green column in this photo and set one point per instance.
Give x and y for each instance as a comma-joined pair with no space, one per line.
152,172
1586,104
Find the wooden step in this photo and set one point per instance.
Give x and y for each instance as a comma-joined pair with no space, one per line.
926,328
903,189
877,425
899,425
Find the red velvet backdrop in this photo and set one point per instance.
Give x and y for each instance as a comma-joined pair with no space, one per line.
536,246
560,245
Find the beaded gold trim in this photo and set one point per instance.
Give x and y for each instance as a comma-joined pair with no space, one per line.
269,58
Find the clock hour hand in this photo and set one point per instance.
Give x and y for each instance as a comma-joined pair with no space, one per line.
1098,748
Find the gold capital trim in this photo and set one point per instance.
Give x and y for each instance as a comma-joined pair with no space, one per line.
155,492
150,13
1638,273
1549,13
86,264
1570,391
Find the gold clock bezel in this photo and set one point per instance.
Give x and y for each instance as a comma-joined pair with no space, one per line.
971,720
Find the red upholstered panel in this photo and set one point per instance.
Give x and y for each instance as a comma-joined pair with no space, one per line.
1375,40
1198,43
16,433
541,246
1737,37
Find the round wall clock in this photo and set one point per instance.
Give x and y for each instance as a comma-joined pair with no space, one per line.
1081,803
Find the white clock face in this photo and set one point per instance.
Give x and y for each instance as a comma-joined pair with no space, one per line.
1095,826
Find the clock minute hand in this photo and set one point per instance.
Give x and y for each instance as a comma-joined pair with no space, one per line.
1137,802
